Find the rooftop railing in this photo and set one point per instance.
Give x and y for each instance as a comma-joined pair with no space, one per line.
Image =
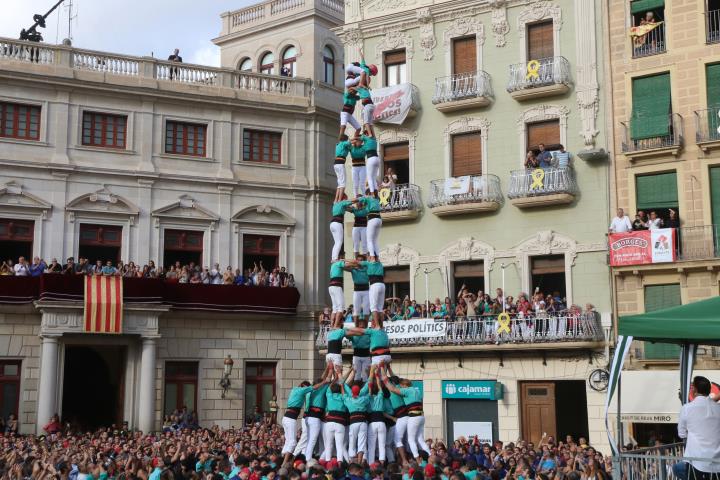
487,330
403,197
275,9
548,71
470,189
553,180
652,133
707,123
462,86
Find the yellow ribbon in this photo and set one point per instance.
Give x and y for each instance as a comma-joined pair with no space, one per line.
384,195
537,177
503,323
532,70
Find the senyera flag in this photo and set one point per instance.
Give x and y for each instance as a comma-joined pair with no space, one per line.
641,247
103,304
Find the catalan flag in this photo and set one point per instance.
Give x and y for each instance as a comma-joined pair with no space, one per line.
103,304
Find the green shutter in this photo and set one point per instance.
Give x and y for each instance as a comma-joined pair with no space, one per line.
642,6
656,191
712,84
658,297
715,195
651,107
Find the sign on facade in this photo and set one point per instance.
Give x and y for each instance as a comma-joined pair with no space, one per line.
472,390
393,104
642,247
469,430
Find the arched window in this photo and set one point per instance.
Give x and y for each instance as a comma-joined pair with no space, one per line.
288,63
267,64
328,66
246,65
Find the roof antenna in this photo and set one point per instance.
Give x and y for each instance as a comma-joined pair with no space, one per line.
71,17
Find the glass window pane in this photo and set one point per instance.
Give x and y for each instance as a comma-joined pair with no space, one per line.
189,396
11,369
251,370
170,397
250,399
267,394
9,398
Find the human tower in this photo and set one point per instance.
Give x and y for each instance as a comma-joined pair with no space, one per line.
366,413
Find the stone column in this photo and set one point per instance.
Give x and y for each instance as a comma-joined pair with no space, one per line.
47,390
146,410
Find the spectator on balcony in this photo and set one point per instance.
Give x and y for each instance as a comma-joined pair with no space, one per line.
54,267
228,277
175,57
38,267
638,224
392,176
544,157
673,221
108,269
7,268
654,222
531,161
561,158
620,223
21,268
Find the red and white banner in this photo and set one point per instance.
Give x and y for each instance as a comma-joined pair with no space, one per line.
393,104
642,247
103,304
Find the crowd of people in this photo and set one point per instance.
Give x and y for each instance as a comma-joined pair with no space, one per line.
643,221
543,159
257,276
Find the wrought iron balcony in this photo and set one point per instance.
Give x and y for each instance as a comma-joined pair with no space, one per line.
712,26
469,194
651,43
542,186
462,90
543,77
403,203
707,123
643,137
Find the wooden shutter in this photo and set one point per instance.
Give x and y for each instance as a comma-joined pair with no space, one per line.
466,154
651,107
715,194
656,191
540,40
469,269
464,55
712,80
658,297
547,133
548,264
394,58
397,275
396,151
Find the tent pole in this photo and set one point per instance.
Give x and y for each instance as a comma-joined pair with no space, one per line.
617,460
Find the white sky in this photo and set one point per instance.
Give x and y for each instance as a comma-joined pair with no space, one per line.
133,27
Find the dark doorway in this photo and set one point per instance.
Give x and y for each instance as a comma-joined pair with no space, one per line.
646,434
16,239
571,409
183,246
470,274
548,275
261,248
100,242
94,253
93,386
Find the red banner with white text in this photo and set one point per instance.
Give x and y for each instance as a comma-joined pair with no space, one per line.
642,247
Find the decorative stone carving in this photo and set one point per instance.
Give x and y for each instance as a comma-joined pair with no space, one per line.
395,135
464,26
13,195
384,5
427,32
469,248
103,202
263,215
186,208
586,87
352,36
500,25
397,254
547,242
536,11
467,124
393,40
543,112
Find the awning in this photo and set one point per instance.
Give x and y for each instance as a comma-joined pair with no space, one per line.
649,396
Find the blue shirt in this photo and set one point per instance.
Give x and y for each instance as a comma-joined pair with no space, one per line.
378,338
360,276
335,402
544,159
297,396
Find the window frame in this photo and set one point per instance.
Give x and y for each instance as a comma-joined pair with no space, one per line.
328,62
12,379
267,68
16,114
248,137
175,124
103,129
400,67
544,22
258,381
473,133
179,380
291,61
242,62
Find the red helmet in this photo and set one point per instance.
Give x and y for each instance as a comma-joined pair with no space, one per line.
373,69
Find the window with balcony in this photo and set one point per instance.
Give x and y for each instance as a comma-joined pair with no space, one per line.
548,275
652,125
396,161
19,121
466,154
708,120
100,242
16,238
185,138
397,282
464,55
267,64
657,193
546,133
263,147
470,274
540,40
290,60
647,33
260,382
658,297
712,21
104,130
184,246
395,67
9,387
328,66
261,248
181,384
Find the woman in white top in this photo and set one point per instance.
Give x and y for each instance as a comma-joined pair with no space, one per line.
654,222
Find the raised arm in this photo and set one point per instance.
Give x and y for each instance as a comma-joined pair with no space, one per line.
354,332
390,386
349,375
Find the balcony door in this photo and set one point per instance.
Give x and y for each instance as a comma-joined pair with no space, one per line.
540,40
546,133
466,154
464,55
183,246
538,410
261,248
396,156
16,239
100,242
548,275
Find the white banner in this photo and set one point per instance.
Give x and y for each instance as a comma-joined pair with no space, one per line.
403,329
393,104
457,186
483,430
662,247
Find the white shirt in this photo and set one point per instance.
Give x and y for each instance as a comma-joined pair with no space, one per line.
21,270
699,423
654,224
620,224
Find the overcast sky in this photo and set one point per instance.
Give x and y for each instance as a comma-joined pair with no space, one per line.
134,27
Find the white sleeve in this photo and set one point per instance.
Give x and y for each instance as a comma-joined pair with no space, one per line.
628,224
682,424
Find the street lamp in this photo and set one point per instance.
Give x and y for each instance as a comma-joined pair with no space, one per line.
227,370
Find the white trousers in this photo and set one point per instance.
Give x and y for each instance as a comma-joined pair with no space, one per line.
373,236
361,365
367,113
314,426
377,433
340,174
389,444
416,435
377,297
302,443
337,298
372,167
334,436
346,118
400,430
290,428
338,234
359,238
361,303
358,438
358,178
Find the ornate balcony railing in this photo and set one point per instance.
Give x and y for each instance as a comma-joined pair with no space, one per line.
487,330
652,43
470,189
707,123
532,183
712,26
462,86
403,197
652,133
546,72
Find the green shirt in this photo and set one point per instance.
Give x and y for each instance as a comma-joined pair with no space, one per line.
297,396
337,269
374,269
359,276
396,401
337,334
360,341
377,402
342,148
360,212
411,395
357,152
369,142
378,338
372,204
350,99
317,397
335,402
359,403
338,208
